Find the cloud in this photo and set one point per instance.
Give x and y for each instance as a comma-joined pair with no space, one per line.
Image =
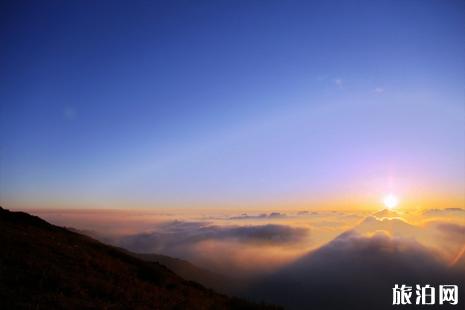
378,90
452,228
239,251
270,234
307,213
444,212
245,216
354,272
393,226
379,246
386,213
453,231
186,234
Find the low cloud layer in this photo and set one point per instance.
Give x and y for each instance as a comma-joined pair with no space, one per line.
179,233
225,249
301,259
445,212
454,229
245,216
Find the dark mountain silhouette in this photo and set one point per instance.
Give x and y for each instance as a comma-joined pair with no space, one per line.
459,263
394,226
357,272
192,272
43,266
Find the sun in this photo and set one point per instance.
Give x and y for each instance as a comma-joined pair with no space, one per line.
390,201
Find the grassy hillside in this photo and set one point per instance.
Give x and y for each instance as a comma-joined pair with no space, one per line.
43,266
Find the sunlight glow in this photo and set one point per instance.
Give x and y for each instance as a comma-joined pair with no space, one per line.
390,201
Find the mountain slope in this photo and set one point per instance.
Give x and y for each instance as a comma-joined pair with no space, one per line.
191,272
43,266
357,272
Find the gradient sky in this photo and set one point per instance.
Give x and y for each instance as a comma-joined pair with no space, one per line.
228,101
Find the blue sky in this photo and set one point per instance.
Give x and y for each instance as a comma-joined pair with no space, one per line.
231,100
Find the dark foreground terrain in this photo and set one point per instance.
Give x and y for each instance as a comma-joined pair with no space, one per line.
43,266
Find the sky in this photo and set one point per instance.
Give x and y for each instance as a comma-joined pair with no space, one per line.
231,102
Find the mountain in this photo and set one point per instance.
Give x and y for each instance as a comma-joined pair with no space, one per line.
386,213
192,272
394,226
357,272
43,266
459,262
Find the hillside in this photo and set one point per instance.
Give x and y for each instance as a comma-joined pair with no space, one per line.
354,271
191,272
43,266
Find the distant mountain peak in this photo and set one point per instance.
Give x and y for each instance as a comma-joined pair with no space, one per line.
386,213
